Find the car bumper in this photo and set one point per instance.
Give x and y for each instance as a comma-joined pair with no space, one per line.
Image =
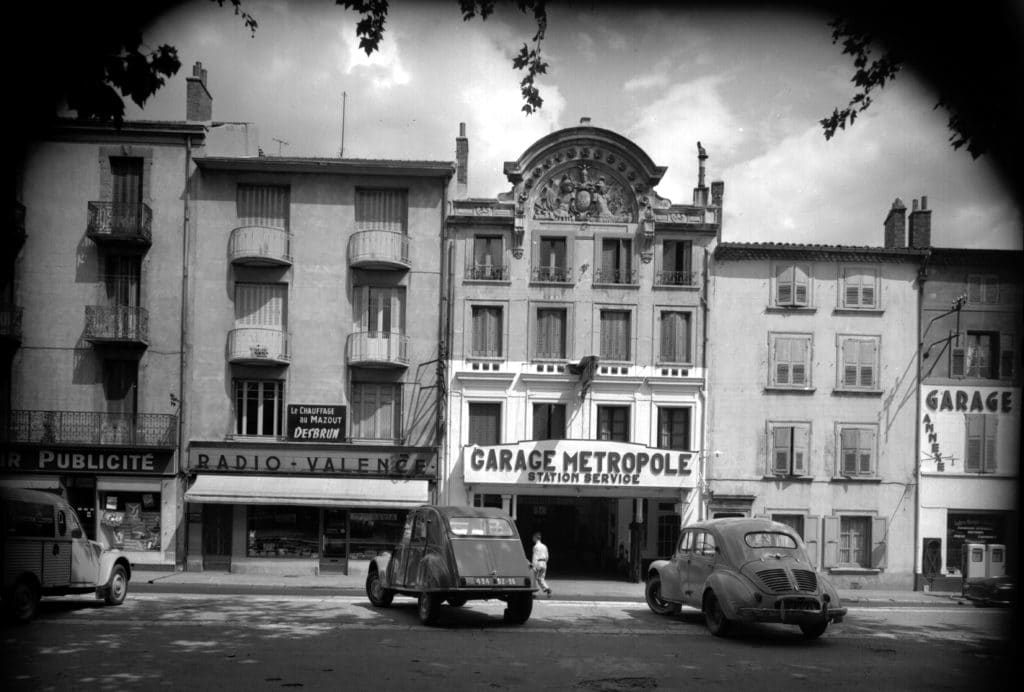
793,616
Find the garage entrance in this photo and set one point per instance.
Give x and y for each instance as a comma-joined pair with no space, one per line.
579,533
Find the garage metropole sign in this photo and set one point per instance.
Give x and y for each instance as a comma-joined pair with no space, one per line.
579,462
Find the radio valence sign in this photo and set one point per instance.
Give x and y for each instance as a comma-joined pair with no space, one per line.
579,462
316,422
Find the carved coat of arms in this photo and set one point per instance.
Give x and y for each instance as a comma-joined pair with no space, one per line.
574,196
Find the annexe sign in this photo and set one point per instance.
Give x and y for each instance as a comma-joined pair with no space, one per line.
129,461
407,463
579,462
316,422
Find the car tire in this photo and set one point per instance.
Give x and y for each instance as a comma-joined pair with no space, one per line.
375,591
714,616
520,605
117,587
429,608
652,593
456,601
814,630
21,601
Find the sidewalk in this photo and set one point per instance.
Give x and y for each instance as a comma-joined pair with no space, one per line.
562,589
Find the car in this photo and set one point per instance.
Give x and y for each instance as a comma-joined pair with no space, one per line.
991,591
45,552
743,570
455,555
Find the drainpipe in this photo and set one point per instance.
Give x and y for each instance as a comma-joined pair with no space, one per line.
922,277
181,535
444,348
702,481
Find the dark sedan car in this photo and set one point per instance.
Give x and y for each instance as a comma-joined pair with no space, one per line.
455,554
991,591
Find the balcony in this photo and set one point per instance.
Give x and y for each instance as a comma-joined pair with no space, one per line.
119,325
124,225
14,237
10,324
157,430
624,277
674,278
486,272
258,346
260,246
379,250
558,275
377,350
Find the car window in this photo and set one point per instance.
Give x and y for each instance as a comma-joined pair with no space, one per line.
407,531
705,544
686,542
769,539
419,529
62,523
29,518
481,526
73,523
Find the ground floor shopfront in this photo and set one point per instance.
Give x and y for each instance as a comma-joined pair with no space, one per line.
603,508
290,509
126,498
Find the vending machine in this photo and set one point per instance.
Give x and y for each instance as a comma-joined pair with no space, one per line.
995,560
973,561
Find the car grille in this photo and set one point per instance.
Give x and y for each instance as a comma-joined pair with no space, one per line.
778,580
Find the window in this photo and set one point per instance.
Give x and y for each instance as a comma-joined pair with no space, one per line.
551,260
126,179
487,332
793,521
380,310
549,421
120,390
261,305
551,329
488,259
616,332
790,356
382,210
258,407
854,540
982,355
613,423
792,285
484,424
858,356
376,411
674,343
857,450
263,205
122,280
980,455
789,450
668,534
676,263
130,520
616,262
674,428
983,289
282,531
860,288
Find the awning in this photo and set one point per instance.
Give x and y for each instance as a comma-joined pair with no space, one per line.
321,492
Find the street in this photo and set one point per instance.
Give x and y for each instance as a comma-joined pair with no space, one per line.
262,642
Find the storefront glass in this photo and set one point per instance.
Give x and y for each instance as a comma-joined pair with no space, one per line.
130,520
981,528
283,532
373,532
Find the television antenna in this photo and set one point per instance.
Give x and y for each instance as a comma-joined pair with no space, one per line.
280,143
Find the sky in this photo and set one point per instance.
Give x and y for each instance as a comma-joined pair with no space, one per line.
750,85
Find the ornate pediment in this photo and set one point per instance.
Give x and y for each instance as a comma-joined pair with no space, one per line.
582,191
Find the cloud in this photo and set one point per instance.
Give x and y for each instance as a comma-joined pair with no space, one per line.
383,65
646,81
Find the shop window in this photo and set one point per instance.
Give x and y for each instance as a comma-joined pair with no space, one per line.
857,451
130,520
613,423
551,332
549,421
616,331
382,210
674,428
855,542
289,532
980,455
376,411
375,532
484,424
791,286
983,289
789,449
487,331
259,406
675,336
263,205
860,288
858,358
790,361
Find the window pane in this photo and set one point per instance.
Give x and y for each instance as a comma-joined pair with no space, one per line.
484,424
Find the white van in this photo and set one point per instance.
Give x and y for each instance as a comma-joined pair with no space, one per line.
45,552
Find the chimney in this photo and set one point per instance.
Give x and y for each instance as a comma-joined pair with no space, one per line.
199,103
700,193
585,120
921,225
461,163
896,225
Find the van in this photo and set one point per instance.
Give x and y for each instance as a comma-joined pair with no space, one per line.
45,552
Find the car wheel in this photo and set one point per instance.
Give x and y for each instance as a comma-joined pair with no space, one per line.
117,588
520,605
456,601
21,601
652,592
429,608
375,591
717,623
814,629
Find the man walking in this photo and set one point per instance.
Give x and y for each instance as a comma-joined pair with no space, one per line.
540,563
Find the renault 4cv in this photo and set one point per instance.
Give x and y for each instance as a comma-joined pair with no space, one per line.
455,555
744,570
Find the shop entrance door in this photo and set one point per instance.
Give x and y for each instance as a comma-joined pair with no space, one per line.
217,537
334,552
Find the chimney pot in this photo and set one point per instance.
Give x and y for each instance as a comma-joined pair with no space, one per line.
913,204
462,129
585,120
198,101
461,163
896,225
921,225
924,203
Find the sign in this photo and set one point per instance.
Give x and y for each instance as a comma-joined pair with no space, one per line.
123,461
407,463
578,463
316,423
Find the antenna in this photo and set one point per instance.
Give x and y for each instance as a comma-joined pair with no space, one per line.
344,98
280,142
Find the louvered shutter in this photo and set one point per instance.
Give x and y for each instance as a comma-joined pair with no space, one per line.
848,439
850,360
879,529
868,357
784,285
609,259
782,357
830,554
1006,356
260,305
382,210
126,181
974,289
799,360
975,442
484,423
801,286
958,354
990,462
990,289
812,531
263,205
801,449
866,451
782,440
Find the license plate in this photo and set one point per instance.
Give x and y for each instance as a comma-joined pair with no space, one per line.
495,581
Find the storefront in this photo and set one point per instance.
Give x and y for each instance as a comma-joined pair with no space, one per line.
298,508
606,508
126,498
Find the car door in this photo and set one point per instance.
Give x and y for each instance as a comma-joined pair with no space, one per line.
701,563
85,555
673,575
414,553
396,566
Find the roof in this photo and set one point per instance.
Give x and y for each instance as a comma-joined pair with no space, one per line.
294,164
130,127
845,253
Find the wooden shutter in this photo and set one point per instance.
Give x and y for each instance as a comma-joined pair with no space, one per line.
782,440
990,462
957,354
975,441
801,439
382,210
801,286
1006,356
868,357
784,285
848,450
879,542
126,180
263,205
799,361
990,289
484,424
120,385
865,451
850,361
974,291
812,531
830,555
550,333
675,337
615,335
260,305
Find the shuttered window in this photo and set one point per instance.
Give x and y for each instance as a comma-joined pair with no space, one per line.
983,289
675,337
382,210
616,332
376,411
980,455
261,305
259,407
792,285
857,450
674,428
676,263
126,180
487,331
860,288
484,424
788,448
616,261
549,421
122,280
858,358
380,310
263,205
551,333
855,541
790,360
613,423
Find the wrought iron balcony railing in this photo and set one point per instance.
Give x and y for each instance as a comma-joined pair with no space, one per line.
115,222
258,346
92,428
487,272
614,276
127,324
10,322
260,245
560,275
675,278
379,250
377,349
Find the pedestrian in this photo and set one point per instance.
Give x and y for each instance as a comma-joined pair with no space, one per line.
540,563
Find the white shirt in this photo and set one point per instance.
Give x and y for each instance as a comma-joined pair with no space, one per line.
540,552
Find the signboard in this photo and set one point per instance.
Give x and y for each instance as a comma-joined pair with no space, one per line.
316,422
579,463
406,463
945,411
91,460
